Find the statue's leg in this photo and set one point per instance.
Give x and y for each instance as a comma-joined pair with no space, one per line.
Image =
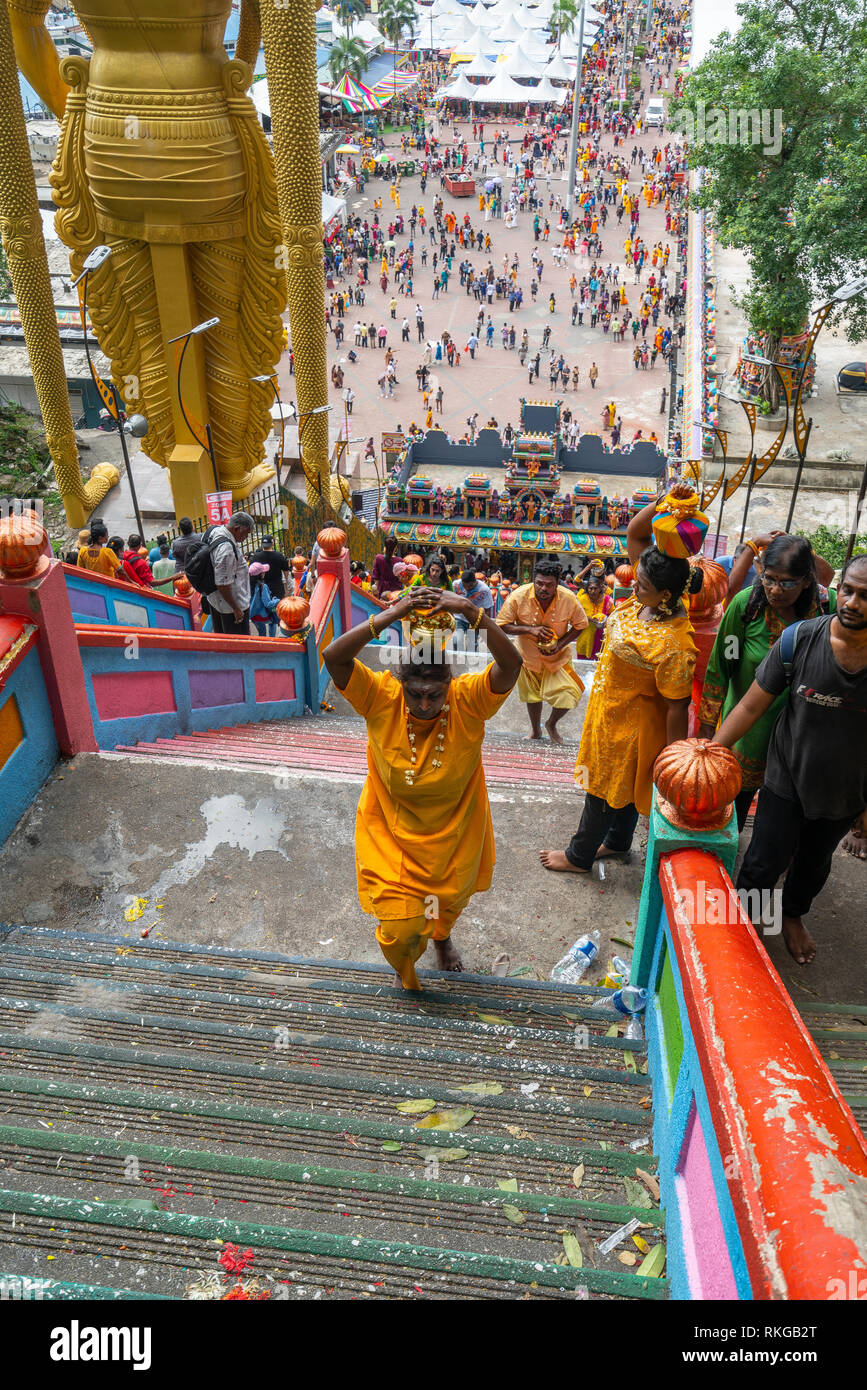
239,409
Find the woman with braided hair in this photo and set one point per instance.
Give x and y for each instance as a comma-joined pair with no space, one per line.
639,700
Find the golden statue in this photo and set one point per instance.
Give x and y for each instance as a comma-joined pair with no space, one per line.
162,158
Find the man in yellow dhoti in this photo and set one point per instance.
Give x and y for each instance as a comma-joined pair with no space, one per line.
546,618
424,842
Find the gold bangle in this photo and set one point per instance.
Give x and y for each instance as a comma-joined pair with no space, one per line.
475,626
373,632
751,545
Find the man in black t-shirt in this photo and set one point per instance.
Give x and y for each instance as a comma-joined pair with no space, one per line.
815,786
277,564
181,544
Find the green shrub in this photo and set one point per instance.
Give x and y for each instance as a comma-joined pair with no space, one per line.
831,542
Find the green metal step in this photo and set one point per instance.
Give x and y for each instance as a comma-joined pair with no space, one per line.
180,1245
227,1085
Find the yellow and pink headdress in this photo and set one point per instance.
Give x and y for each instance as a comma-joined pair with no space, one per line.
679,527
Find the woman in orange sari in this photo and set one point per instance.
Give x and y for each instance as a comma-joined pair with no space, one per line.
638,703
424,842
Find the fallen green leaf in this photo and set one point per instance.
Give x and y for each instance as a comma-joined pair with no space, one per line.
414,1107
516,1217
643,1067
604,1144
508,1184
482,1088
835,1056
572,1250
390,1147
578,1175
629,1062
621,941
493,1018
455,1118
612,1032
653,1264
637,1194
522,970
444,1155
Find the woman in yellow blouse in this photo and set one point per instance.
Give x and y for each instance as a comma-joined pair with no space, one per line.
638,704
98,556
424,843
597,604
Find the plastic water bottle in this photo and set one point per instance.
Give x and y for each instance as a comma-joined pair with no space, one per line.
629,1001
577,960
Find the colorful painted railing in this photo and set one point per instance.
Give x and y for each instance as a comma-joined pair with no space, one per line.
145,685
96,599
761,1161
28,743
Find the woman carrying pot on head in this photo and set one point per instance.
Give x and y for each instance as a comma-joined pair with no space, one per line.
787,589
641,690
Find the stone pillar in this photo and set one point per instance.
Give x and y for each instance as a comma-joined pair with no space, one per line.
696,783
24,245
289,35
33,587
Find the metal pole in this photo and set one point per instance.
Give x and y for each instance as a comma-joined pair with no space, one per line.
125,452
572,157
213,460
858,508
801,458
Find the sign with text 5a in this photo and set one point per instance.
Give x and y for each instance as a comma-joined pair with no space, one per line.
219,505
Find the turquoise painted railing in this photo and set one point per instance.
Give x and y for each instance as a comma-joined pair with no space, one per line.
28,743
760,1158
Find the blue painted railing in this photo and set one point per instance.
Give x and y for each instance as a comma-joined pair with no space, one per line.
96,599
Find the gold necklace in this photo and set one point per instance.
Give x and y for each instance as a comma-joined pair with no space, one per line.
439,746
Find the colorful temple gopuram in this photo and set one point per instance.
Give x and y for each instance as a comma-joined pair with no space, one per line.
533,495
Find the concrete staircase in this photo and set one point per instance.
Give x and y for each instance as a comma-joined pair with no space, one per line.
162,1102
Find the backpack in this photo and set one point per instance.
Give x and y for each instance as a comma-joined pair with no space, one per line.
199,562
788,643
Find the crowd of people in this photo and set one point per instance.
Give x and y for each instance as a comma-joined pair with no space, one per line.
788,695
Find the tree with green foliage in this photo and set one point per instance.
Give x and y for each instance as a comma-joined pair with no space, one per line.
396,18
347,55
349,11
564,17
775,116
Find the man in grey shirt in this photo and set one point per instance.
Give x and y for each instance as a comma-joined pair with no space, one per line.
230,601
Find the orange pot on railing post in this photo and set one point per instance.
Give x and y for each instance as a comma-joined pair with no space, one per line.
705,614
334,561
696,783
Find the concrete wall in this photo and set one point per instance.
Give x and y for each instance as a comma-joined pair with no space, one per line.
144,685
28,744
95,600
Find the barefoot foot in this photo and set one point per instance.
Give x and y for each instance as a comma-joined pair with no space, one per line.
552,731
854,844
534,734
604,852
447,956
799,942
555,859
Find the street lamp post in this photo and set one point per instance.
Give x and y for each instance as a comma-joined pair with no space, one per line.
92,262
272,379
185,339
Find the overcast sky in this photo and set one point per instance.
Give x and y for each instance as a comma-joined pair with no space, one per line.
710,17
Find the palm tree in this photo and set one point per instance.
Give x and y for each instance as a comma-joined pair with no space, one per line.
347,55
396,17
563,17
348,11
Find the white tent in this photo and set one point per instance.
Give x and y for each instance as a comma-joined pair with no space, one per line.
504,88
516,65
546,93
511,29
528,19
461,90
480,67
443,7
561,71
478,13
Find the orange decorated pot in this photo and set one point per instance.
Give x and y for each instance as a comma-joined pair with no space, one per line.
714,588
697,782
293,613
182,586
332,541
22,541
624,576
414,560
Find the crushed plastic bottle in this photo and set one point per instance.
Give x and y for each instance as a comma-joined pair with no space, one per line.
571,969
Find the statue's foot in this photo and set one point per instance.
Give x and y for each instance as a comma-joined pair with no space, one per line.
249,482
